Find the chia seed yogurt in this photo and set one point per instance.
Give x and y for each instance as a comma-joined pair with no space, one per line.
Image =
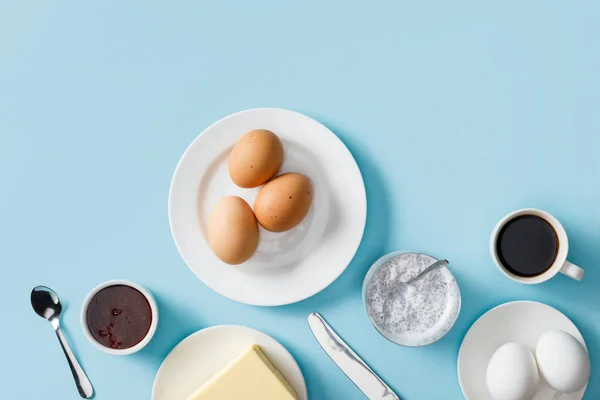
411,315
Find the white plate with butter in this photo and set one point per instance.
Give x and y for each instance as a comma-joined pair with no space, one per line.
207,353
290,266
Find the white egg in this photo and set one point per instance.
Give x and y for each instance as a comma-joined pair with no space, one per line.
512,373
562,361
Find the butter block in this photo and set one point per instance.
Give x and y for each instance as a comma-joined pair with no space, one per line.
249,377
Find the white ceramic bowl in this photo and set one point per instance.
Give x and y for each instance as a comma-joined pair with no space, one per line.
145,340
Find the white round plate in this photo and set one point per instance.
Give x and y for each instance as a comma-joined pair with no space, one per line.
204,353
290,266
522,322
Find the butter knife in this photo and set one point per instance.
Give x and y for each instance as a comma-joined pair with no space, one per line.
348,361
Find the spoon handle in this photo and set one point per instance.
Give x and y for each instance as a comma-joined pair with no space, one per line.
81,380
427,270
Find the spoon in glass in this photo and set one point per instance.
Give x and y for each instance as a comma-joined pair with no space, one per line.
437,264
397,294
46,304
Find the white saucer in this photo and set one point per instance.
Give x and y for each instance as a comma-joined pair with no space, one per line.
519,321
204,353
290,266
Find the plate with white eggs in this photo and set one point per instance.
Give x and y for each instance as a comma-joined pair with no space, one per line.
267,206
523,350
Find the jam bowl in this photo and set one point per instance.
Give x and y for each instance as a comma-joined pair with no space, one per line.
119,317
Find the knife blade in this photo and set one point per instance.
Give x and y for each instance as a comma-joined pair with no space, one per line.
348,361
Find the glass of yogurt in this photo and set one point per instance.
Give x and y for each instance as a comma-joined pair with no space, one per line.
410,315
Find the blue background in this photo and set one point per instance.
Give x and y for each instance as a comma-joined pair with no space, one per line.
456,112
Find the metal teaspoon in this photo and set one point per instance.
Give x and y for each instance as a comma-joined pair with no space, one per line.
46,304
401,287
437,264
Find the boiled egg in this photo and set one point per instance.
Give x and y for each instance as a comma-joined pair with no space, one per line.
233,230
283,202
255,158
563,361
512,373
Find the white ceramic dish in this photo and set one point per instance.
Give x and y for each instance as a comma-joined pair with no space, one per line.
522,322
203,354
290,266
130,350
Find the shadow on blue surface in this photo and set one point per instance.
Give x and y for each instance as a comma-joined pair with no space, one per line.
348,286
373,244
176,322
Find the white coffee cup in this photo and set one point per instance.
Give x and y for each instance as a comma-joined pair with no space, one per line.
560,263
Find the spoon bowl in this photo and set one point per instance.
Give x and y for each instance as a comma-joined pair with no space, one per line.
45,302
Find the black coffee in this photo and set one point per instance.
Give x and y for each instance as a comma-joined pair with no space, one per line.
527,245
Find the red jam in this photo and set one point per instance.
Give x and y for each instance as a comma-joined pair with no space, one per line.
119,317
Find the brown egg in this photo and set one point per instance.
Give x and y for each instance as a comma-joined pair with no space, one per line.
232,230
255,158
283,202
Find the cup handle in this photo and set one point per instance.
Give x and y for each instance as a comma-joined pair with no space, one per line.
572,271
